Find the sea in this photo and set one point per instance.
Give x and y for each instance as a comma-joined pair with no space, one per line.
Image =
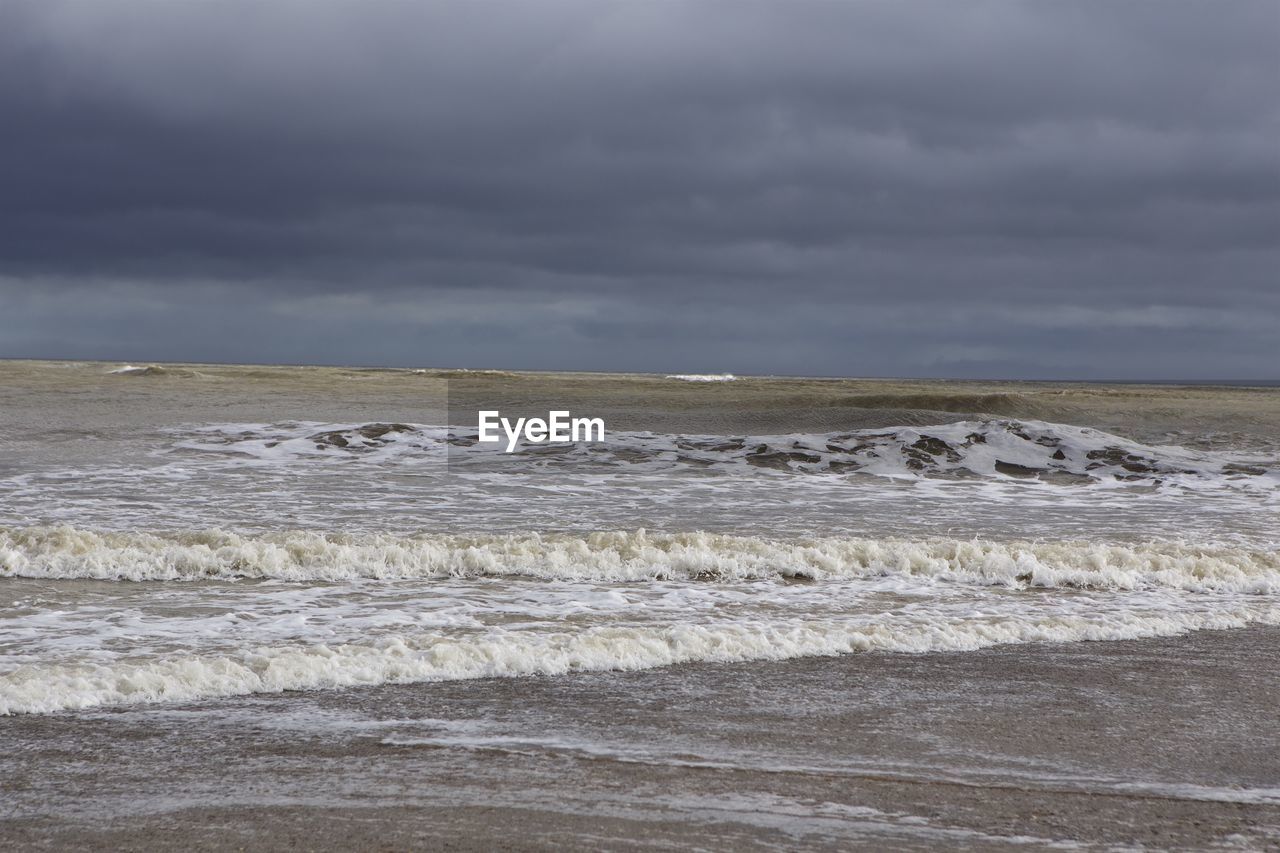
183,542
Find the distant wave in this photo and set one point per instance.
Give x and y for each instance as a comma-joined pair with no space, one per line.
156,370
464,373
702,377
67,552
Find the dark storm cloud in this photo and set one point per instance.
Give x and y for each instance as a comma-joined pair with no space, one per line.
819,187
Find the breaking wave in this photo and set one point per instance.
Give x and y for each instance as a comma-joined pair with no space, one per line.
402,659
66,552
702,377
1004,450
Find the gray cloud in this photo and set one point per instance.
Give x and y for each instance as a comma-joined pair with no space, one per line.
1015,188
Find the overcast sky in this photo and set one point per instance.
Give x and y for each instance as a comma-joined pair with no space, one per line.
990,189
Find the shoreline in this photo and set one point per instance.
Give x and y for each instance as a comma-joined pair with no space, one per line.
1170,743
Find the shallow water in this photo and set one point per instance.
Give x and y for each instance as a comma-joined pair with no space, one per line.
1151,744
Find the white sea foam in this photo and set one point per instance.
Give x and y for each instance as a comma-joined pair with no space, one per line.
67,552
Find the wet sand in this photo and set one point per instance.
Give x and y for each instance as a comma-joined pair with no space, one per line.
1168,744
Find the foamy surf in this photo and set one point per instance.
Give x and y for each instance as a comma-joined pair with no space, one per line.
64,552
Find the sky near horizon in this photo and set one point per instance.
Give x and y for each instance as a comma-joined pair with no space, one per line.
1083,189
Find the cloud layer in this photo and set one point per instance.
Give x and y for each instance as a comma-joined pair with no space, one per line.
1084,189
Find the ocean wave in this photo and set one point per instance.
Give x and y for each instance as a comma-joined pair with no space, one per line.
67,552
1006,450
433,657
